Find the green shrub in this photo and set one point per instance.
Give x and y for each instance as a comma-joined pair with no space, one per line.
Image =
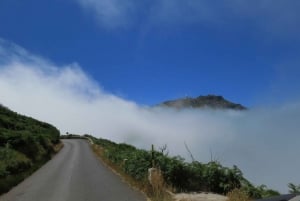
294,188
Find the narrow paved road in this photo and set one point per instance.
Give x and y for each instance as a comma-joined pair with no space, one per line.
74,174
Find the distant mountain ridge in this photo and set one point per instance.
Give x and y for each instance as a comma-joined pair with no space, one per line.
210,101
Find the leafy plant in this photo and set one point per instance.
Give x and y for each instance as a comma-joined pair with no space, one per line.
294,188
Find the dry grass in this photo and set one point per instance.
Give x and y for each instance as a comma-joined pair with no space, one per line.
157,188
237,195
58,147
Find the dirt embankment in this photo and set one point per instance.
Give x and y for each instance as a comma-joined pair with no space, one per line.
199,197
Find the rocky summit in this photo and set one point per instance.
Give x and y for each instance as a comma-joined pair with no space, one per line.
209,101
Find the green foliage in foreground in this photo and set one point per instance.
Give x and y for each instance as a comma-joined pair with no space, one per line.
25,144
178,174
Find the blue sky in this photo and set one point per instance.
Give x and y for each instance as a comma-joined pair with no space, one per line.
149,51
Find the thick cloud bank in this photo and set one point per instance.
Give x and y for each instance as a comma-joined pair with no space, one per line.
264,143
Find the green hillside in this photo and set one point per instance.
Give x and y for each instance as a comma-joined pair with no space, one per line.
25,144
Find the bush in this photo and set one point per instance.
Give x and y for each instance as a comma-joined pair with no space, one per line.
294,188
12,162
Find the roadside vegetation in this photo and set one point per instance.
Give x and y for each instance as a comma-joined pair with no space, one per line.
294,188
177,174
25,145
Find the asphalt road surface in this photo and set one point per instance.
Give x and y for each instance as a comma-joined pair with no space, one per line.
74,174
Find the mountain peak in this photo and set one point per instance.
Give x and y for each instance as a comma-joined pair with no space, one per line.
210,101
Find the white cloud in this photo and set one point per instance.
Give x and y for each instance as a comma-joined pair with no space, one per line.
110,13
264,143
274,17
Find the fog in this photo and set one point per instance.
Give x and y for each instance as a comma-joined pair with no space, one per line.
263,142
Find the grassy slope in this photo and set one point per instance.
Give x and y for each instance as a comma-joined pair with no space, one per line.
25,144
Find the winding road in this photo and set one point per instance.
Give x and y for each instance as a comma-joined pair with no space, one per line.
74,174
